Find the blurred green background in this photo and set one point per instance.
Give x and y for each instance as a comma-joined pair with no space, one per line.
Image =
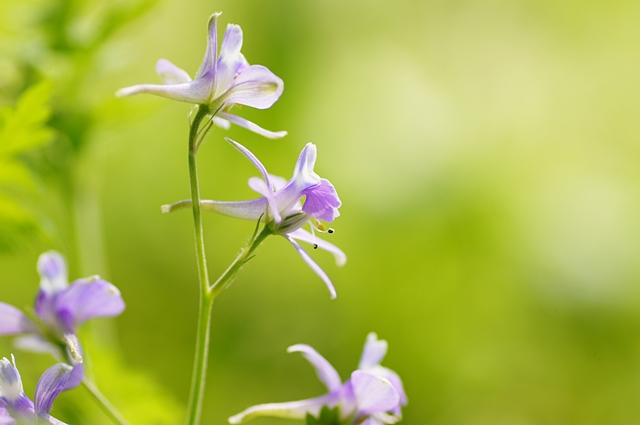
486,153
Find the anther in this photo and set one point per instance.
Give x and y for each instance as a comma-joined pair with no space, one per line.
315,246
330,230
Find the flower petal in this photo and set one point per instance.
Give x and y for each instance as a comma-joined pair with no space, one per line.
292,409
196,91
221,122
51,383
208,65
321,201
303,235
250,210
13,321
10,383
255,86
256,162
35,344
326,373
303,171
307,259
88,298
171,74
231,61
252,127
52,268
373,394
374,351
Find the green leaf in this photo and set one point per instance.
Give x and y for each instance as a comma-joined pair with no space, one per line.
327,417
24,127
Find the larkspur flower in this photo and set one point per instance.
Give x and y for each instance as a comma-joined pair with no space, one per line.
220,83
280,206
16,408
60,308
373,395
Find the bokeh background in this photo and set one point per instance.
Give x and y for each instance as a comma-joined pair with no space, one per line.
486,153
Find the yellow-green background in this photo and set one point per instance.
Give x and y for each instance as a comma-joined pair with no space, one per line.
486,154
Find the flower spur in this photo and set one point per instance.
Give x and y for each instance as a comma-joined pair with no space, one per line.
281,208
220,83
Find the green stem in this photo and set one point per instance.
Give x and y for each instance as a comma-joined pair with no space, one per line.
206,301
207,292
102,401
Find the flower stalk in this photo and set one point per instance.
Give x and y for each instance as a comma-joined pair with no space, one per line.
206,300
103,402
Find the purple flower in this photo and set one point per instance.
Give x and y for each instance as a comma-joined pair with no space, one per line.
281,207
221,82
60,309
374,395
17,408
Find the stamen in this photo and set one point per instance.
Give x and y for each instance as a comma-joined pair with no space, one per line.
330,230
315,246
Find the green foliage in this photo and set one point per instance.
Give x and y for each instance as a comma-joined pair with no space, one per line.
327,417
22,130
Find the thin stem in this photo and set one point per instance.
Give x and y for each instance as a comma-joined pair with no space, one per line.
206,302
226,278
105,404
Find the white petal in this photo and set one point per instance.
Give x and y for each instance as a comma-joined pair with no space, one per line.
171,74
252,127
326,373
303,235
315,267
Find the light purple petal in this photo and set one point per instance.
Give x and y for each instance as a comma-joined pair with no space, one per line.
321,201
303,171
85,299
210,60
231,60
246,210
76,376
307,259
373,394
291,410
256,162
52,268
255,86
51,383
303,235
326,373
374,351
251,157
13,321
196,91
171,74
252,127
5,419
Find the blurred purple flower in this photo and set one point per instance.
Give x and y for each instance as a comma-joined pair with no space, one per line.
281,207
220,83
374,395
60,309
16,408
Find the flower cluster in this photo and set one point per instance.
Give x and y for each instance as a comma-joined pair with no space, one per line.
60,308
373,395
221,82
